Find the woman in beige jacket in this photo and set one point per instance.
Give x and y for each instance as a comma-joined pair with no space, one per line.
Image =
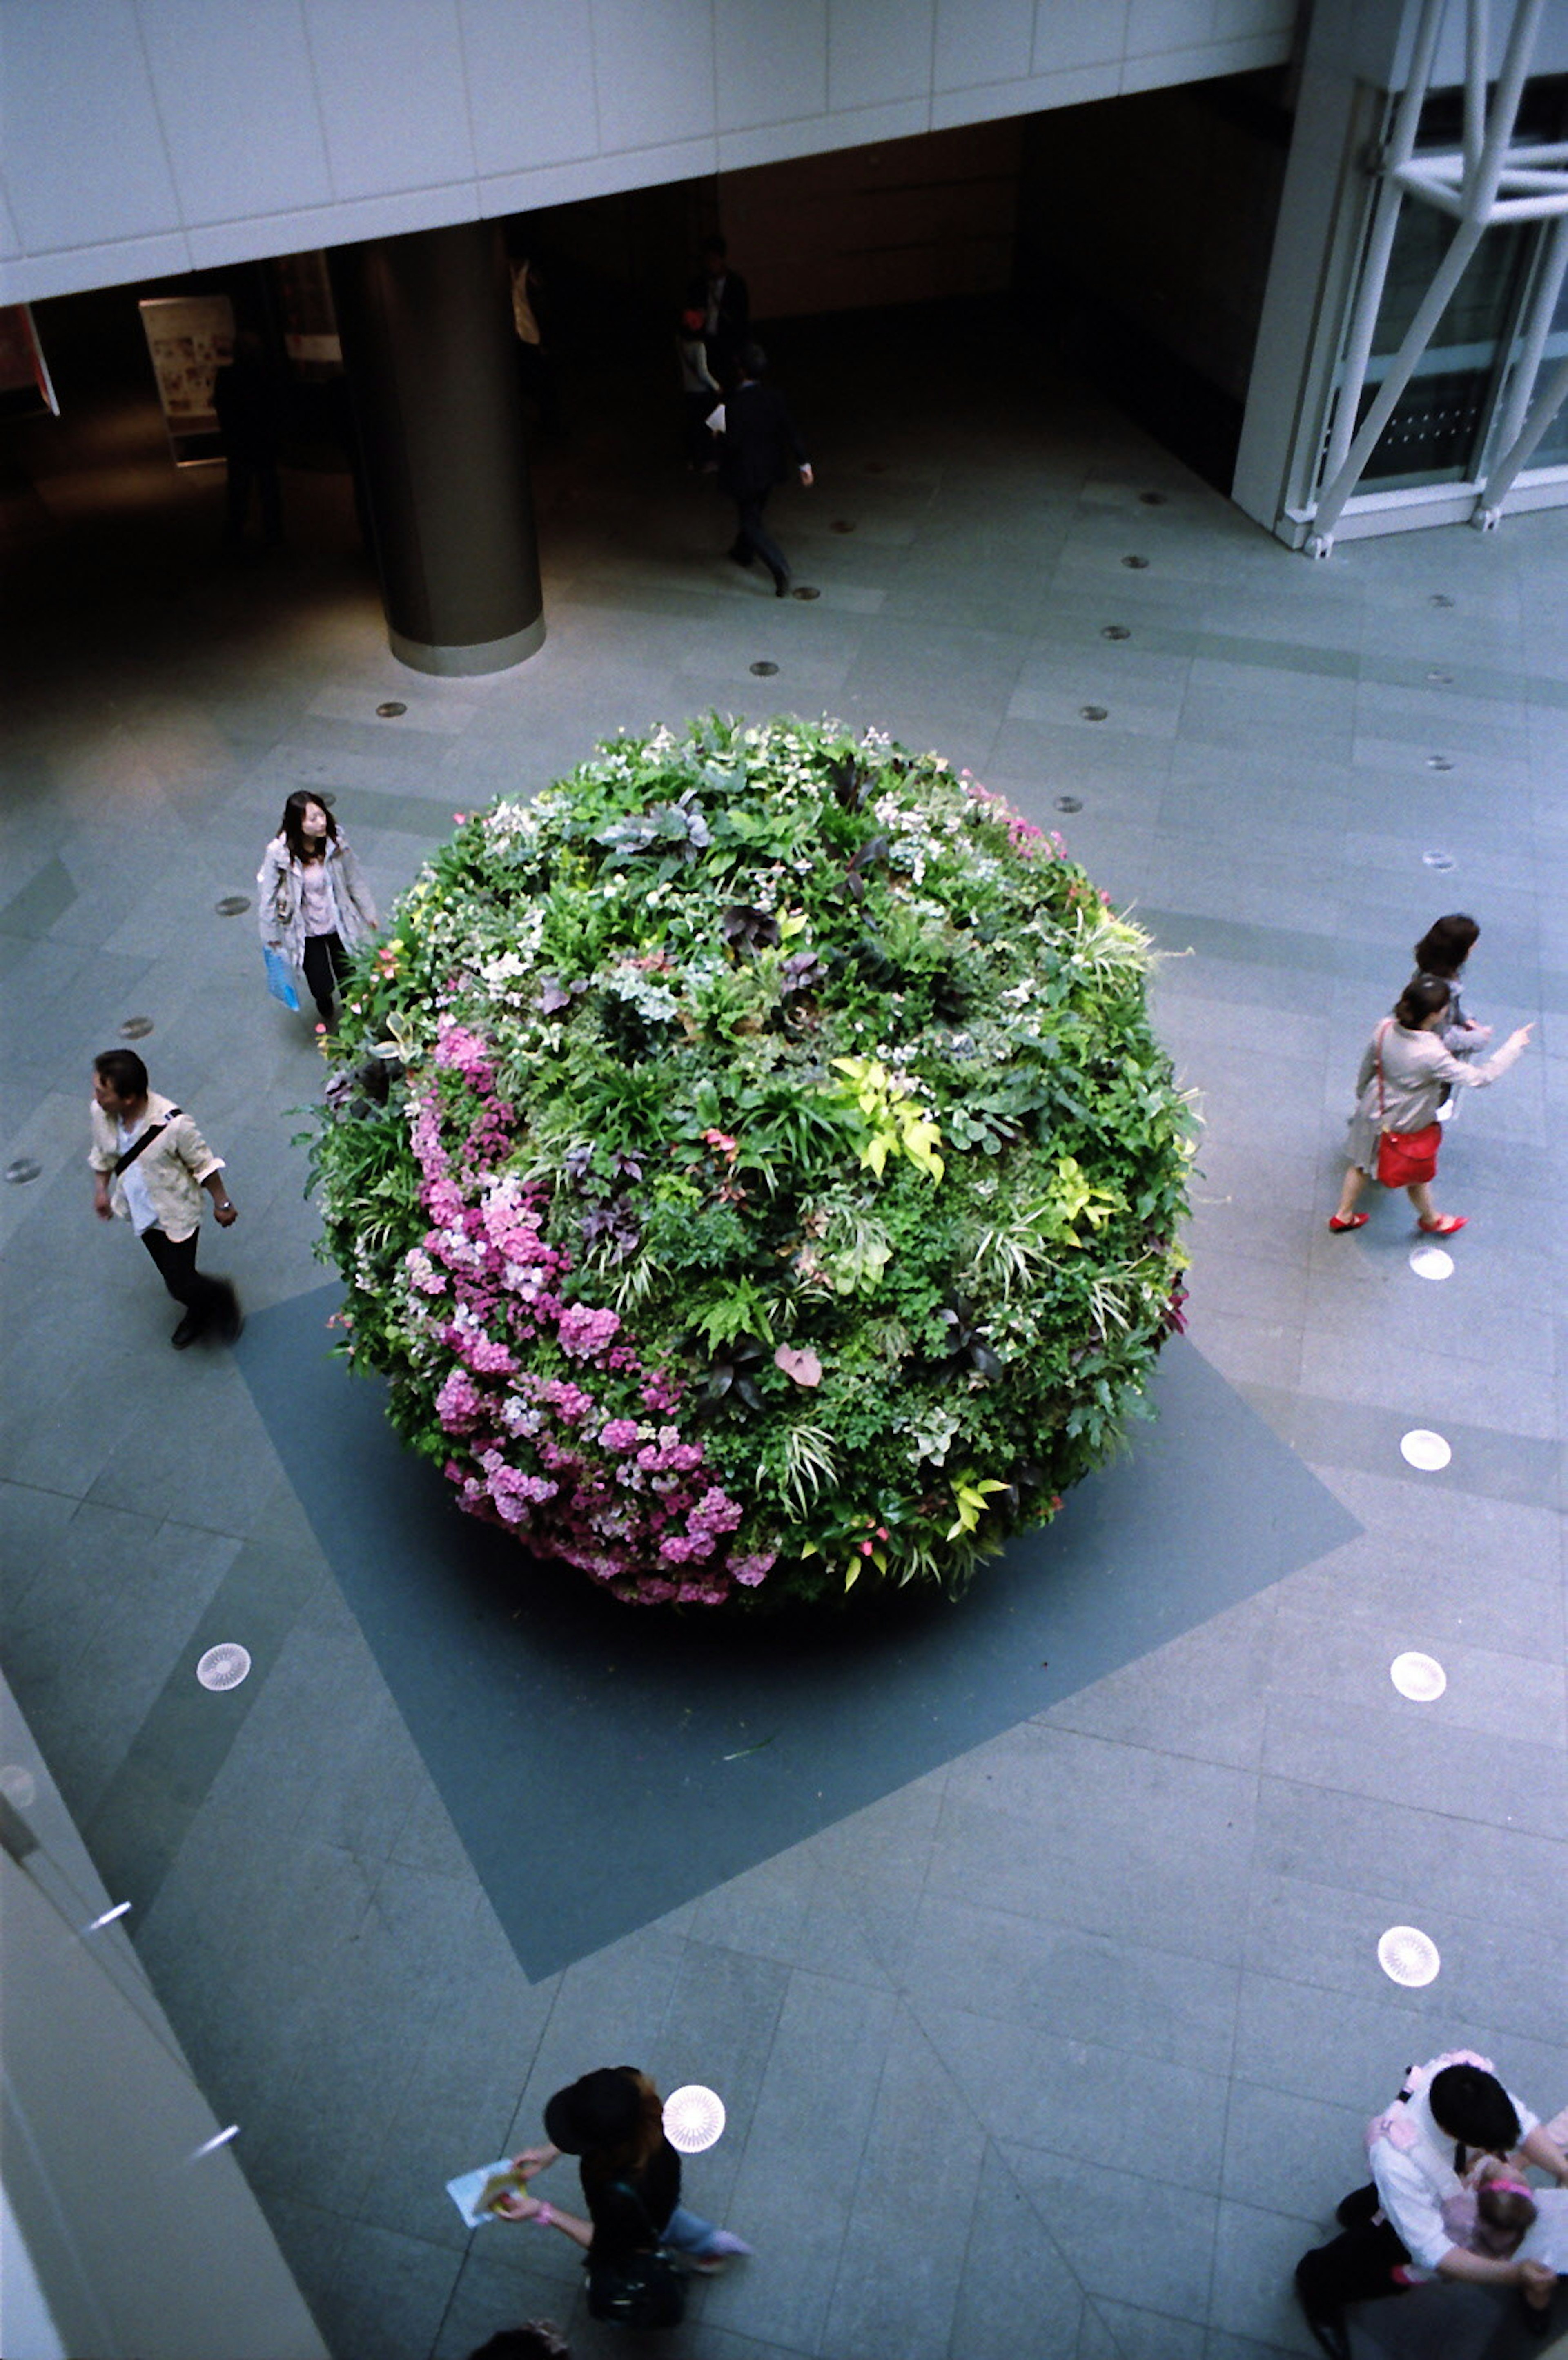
1417,1070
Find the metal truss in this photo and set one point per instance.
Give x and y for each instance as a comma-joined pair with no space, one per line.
1487,180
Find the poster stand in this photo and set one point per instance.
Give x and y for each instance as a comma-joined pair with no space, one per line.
188,338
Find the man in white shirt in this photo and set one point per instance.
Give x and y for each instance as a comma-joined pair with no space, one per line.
149,1166
1450,2117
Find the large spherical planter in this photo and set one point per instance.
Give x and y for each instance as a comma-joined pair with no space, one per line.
780,1188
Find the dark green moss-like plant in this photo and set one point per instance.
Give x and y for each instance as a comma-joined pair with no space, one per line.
782,1185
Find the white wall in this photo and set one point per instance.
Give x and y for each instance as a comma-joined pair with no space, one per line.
142,136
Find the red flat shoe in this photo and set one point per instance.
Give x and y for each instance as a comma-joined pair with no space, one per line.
1356,1221
1444,1227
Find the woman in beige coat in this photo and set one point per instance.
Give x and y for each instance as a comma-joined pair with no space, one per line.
1417,1070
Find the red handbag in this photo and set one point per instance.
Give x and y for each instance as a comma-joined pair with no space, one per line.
1404,1158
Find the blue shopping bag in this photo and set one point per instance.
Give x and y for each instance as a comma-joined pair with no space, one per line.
280,982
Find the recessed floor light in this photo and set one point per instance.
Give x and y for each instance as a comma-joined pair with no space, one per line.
764,670
1440,762
232,905
1440,598
805,590
694,2118
391,710
1430,1262
1425,1449
22,1168
1092,712
1407,1956
1135,565
1419,1678
1437,859
135,1028
224,1666
1069,802
1116,631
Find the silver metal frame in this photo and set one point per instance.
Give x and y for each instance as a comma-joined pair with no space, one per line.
1485,182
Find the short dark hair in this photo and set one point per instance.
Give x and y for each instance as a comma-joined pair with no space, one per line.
124,1072
1423,996
753,361
1446,944
1473,2107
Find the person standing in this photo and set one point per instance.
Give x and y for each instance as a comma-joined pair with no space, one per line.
700,390
248,400
758,444
314,904
149,1166
723,297
1404,1073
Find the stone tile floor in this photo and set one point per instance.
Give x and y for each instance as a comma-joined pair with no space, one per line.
1061,2051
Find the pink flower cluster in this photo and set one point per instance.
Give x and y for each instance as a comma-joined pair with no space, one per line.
534,1404
1021,833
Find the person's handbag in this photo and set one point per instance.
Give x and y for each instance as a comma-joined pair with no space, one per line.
1406,1159
642,2290
279,981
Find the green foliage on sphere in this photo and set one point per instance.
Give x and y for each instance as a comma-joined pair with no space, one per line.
782,1186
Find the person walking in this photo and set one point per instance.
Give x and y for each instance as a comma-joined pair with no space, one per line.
150,1166
723,297
1443,951
1450,2121
1394,1133
758,444
314,904
613,2122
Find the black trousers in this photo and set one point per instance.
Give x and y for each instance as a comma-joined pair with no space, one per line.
326,964
752,538
249,472
1356,2267
207,1302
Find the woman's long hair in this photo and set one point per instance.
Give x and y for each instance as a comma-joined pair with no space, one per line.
291,826
1446,944
608,2163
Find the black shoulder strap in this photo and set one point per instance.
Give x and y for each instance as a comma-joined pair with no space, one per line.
139,1146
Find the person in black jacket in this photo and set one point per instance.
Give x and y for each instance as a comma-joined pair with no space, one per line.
613,2122
758,445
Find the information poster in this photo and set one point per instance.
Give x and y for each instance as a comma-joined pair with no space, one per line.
25,381
188,337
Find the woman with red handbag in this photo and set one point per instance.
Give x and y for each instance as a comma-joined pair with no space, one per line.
1395,1132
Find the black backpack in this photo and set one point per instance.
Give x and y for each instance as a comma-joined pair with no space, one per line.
641,2288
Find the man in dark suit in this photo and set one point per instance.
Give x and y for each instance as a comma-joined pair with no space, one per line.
758,445
725,302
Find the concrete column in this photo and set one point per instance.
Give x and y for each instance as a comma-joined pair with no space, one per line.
428,340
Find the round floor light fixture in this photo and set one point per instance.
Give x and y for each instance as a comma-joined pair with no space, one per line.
1407,1956
22,1168
1423,1449
1437,860
232,905
1440,598
1419,1678
1153,500
390,710
224,1666
764,670
1135,565
135,1028
804,590
1069,802
1114,631
1092,712
694,2118
1430,1262
1440,762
